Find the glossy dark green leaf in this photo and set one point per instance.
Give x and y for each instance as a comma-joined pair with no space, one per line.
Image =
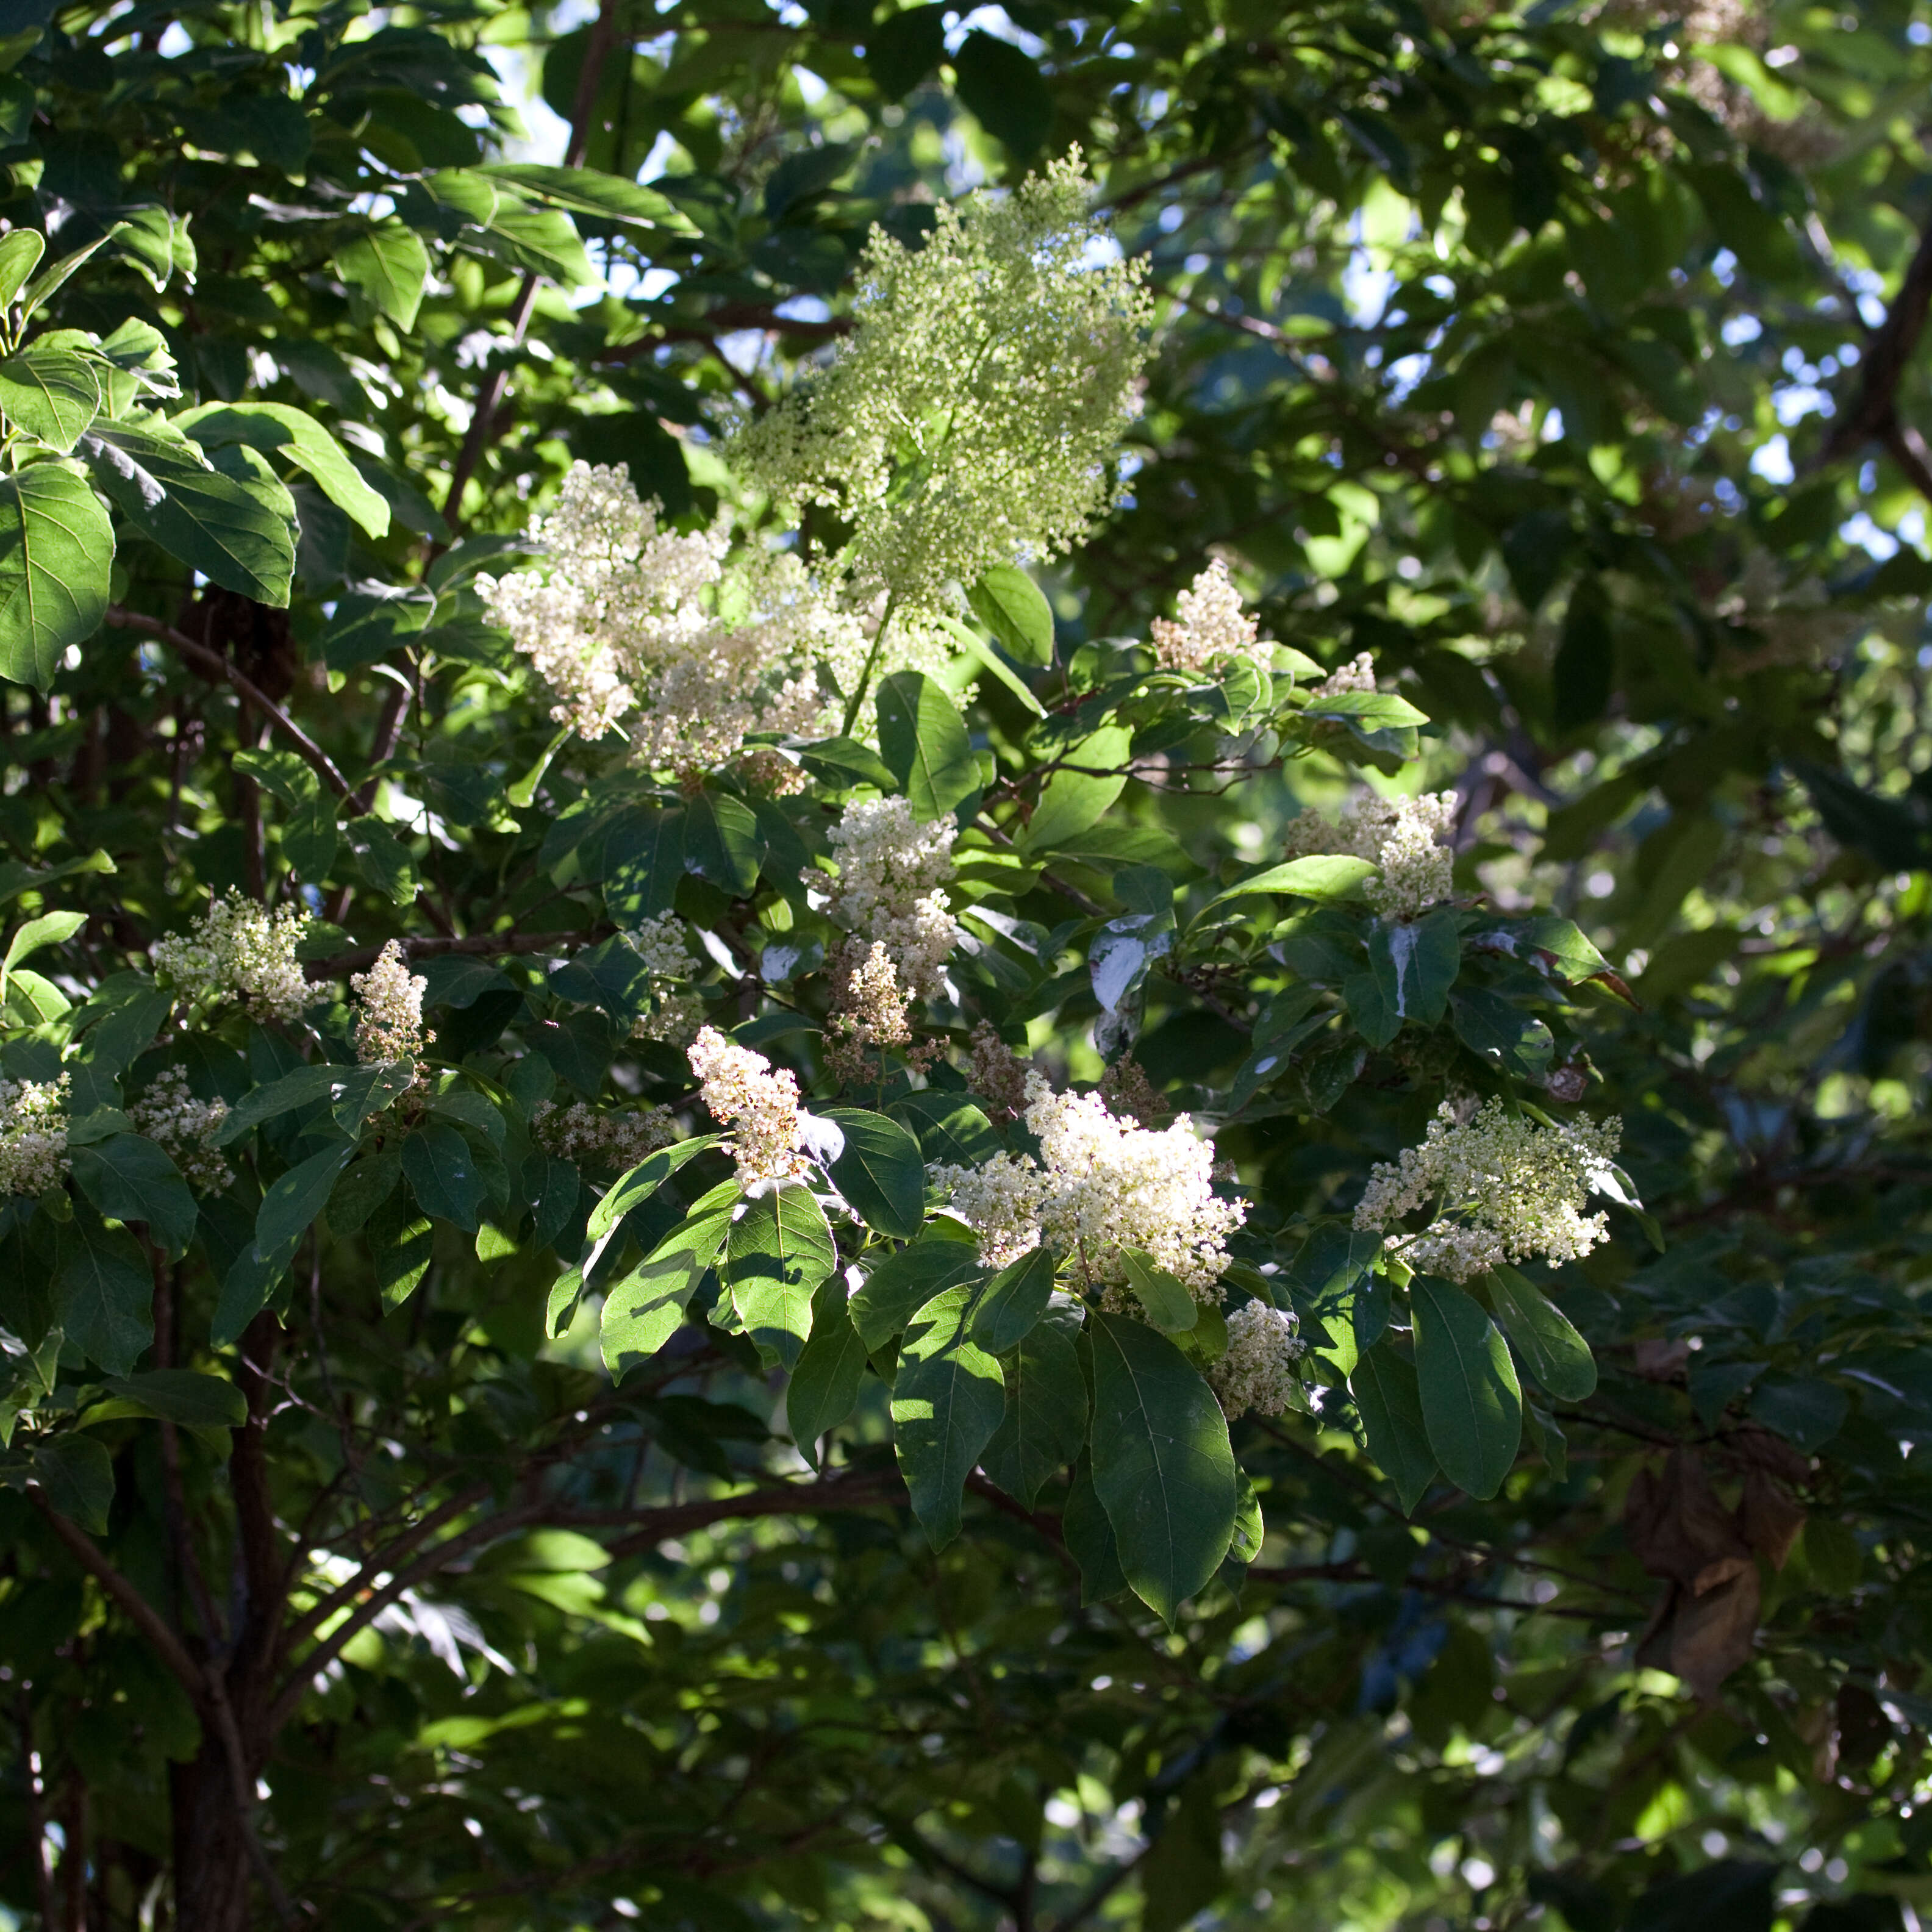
1090,1538
903,1282
947,1400
443,1171
185,1396
881,1172
1415,964
56,549
1383,1384
1010,605
1545,1339
824,1387
1471,1403
103,1293
76,1478
644,1308
1043,1425
722,842
129,1178
1163,1467
52,393
388,266
777,1253
1168,1305
402,1243
923,740
1015,1298
952,1128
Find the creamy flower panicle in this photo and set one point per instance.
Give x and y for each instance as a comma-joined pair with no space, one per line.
388,1000
579,1133
675,1014
33,1135
890,871
1499,1189
1102,1185
1397,836
1258,1371
183,1128
1210,622
744,1091
971,416
239,950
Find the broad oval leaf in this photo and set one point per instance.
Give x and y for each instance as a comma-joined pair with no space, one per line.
52,393
1076,796
881,1172
1044,1424
130,1178
443,1171
1162,1466
387,267
824,1387
103,1292
77,1477
1383,1384
1542,1336
1471,1402
278,427
1319,876
56,549
947,1400
1169,1306
644,1308
1015,1298
778,1251
185,1396
903,1283
923,738
1011,606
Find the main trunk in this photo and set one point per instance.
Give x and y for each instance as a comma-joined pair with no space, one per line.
211,1856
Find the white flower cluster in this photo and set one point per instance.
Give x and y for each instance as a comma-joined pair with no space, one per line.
33,1135
580,1133
238,949
183,1128
389,1024
743,1090
1357,674
969,419
1399,837
1105,1185
1211,624
1258,1373
662,945
1498,1188
628,622
890,871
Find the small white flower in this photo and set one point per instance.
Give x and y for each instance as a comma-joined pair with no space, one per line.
1498,1188
388,1025
742,1090
238,949
890,871
183,1128
1102,1185
33,1135
1211,624
579,1133
1258,1372
1399,837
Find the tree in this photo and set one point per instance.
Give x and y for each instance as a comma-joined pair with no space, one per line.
609,1312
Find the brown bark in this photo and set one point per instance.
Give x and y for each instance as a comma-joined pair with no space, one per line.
210,1851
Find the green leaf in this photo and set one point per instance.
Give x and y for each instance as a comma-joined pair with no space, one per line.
1169,1306
54,276
778,1251
1005,93
994,662
1415,964
923,739
904,1283
951,1128
843,763
1472,1403
644,1308
636,1185
1163,1467
402,1243
1074,799
51,929
1010,605
56,547
194,1400
1572,955
721,841
20,253
1383,1384
443,1171
947,1400
1044,1423
304,1087
1090,1538
130,1178
882,1172
52,393
77,1477
901,49
229,529
1543,1337
388,266
824,1387
588,192
1014,1300
1322,876
274,428
103,1293
290,1207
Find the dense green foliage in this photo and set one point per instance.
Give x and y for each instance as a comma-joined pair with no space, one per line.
415,1517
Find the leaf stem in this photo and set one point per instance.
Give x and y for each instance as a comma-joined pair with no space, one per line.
858,696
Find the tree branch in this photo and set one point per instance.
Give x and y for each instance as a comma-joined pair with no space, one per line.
441,945
216,665
1888,351
134,1606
